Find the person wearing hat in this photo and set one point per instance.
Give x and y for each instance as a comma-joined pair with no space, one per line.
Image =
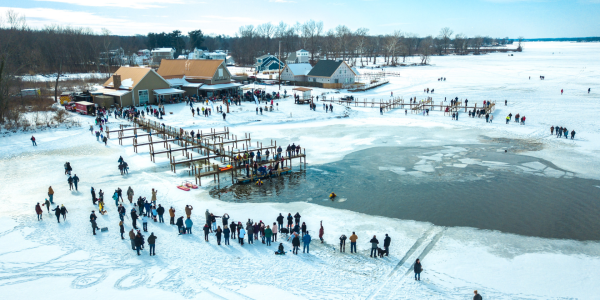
93,221
63,212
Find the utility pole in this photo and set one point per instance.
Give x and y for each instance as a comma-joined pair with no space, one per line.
280,65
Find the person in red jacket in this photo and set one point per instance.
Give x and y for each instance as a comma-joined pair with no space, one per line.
321,232
38,211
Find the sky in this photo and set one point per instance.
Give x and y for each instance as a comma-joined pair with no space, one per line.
494,18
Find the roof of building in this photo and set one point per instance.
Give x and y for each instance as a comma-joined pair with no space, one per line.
214,87
300,69
302,50
170,91
302,89
325,68
189,68
130,77
263,56
110,92
162,50
291,57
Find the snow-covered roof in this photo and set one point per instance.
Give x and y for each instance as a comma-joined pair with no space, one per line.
170,91
182,82
162,50
110,92
301,50
300,69
219,86
355,71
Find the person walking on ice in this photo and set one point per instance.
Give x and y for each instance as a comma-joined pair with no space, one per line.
75,181
38,211
33,140
418,269
70,181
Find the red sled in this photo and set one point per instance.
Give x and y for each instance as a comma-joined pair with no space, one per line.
183,187
191,185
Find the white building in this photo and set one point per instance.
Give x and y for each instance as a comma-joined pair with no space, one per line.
299,57
159,54
296,72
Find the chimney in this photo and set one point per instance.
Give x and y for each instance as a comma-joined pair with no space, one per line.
116,81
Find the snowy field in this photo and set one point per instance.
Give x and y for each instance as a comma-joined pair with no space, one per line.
65,261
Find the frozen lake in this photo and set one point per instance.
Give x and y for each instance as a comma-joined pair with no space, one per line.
430,183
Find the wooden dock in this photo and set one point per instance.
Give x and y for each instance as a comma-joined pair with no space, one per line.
213,153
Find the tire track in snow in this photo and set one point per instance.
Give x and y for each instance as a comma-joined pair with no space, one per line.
402,261
428,248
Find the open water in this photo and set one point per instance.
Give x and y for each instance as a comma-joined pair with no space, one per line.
477,186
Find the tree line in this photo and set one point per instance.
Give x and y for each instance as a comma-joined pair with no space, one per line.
55,50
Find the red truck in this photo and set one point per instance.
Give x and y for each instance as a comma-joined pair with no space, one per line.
85,108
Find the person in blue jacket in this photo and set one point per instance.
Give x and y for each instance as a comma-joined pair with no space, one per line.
226,232
306,239
188,225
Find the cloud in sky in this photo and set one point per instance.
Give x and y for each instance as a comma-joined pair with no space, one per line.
38,17
139,4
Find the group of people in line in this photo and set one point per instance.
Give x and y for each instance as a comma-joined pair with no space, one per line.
518,119
561,131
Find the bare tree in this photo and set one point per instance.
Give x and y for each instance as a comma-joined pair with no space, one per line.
425,49
519,45
446,37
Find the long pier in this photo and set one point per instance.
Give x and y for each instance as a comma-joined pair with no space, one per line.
415,106
214,153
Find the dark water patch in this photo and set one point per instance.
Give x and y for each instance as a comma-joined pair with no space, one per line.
475,186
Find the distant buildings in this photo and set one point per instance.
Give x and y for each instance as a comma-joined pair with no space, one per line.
218,55
298,57
267,62
159,54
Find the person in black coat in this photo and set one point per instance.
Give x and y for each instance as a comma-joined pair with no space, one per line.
93,196
386,244
477,296
297,218
296,244
93,221
57,213
139,241
63,212
290,222
179,224
134,218
206,232
418,270
233,227
280,221
160,211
